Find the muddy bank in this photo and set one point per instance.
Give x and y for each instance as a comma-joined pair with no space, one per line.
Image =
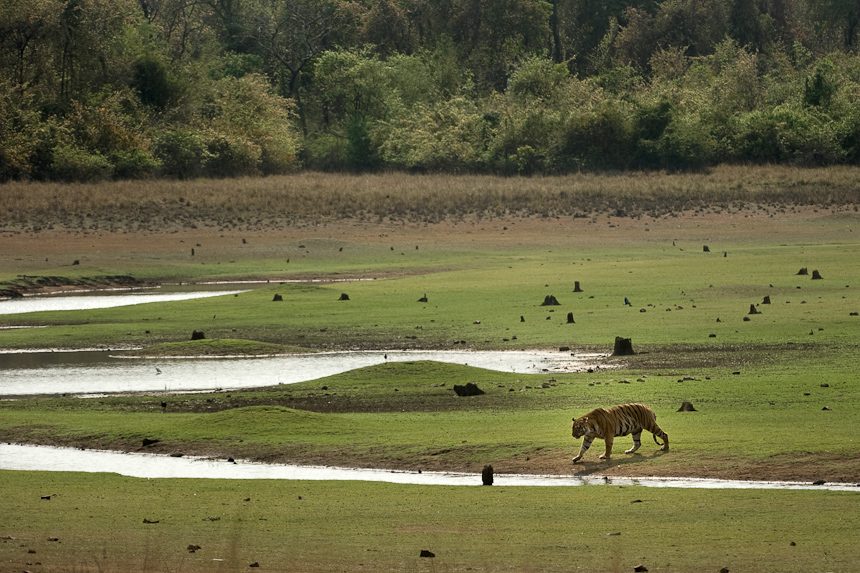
31,285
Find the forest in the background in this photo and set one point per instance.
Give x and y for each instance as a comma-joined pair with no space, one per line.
96,90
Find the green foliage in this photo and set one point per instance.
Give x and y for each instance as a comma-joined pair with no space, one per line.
364,86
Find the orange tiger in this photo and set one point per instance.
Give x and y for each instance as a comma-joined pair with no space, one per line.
617,421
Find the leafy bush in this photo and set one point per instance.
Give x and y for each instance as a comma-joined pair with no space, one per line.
74,164
183,154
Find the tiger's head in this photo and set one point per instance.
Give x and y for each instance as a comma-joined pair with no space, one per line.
580,427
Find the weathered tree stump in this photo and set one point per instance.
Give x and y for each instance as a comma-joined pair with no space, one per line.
803,271
550,300
570,318
816,275
687,407
766,300
426,553
423,298
344,296
576,287
522,318
623,347
277,298
487,475
197,335
705,249
753,309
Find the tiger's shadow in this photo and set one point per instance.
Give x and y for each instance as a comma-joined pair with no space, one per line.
598,466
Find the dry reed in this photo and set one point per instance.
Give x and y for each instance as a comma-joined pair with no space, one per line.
315,197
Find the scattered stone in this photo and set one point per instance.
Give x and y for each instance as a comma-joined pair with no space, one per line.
724,570
819,482
564,349
149,522
825,385
470,389
687,407
792,544
747,319
736,372
254,564
640,568
487,475
46,497
613,534
550,300
826,408
193,548
426,553
149,442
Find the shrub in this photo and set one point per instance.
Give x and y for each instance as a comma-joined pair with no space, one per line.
74,164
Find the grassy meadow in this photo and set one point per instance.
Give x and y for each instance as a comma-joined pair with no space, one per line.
777,392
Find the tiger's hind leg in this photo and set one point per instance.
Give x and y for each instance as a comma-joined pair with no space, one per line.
636,442
658,432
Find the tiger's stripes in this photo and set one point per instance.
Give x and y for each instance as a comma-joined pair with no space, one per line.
617,421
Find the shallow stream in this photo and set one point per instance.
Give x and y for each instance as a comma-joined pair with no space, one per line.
43,458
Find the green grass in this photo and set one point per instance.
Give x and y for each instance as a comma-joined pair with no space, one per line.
686,297
762,420
98,523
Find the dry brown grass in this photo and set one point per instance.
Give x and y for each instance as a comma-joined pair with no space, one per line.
312,197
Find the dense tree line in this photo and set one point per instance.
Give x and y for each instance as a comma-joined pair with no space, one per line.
105,89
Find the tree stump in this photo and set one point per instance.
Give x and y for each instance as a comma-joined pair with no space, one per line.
753,309
423,298
470,389
487,475
687,407
344,296
766,300
623,347
277,298
705,249
803,271
570,318
197,335
816,275
550,300
576,287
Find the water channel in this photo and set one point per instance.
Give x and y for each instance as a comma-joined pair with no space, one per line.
42,458
95,373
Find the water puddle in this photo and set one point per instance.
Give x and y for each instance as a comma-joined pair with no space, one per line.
43,458
98,372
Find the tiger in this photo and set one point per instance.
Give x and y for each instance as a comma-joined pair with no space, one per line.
617,421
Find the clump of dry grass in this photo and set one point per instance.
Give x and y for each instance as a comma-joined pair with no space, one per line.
317,197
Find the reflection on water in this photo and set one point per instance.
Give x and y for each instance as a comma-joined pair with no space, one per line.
98,372
41,458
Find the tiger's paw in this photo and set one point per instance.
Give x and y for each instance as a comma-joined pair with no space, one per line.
577,458
603,457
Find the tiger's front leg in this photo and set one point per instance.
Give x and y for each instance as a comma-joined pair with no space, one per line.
605,455
586,443
636,442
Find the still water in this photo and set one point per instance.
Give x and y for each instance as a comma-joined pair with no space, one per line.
90,301
42,458
99,372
